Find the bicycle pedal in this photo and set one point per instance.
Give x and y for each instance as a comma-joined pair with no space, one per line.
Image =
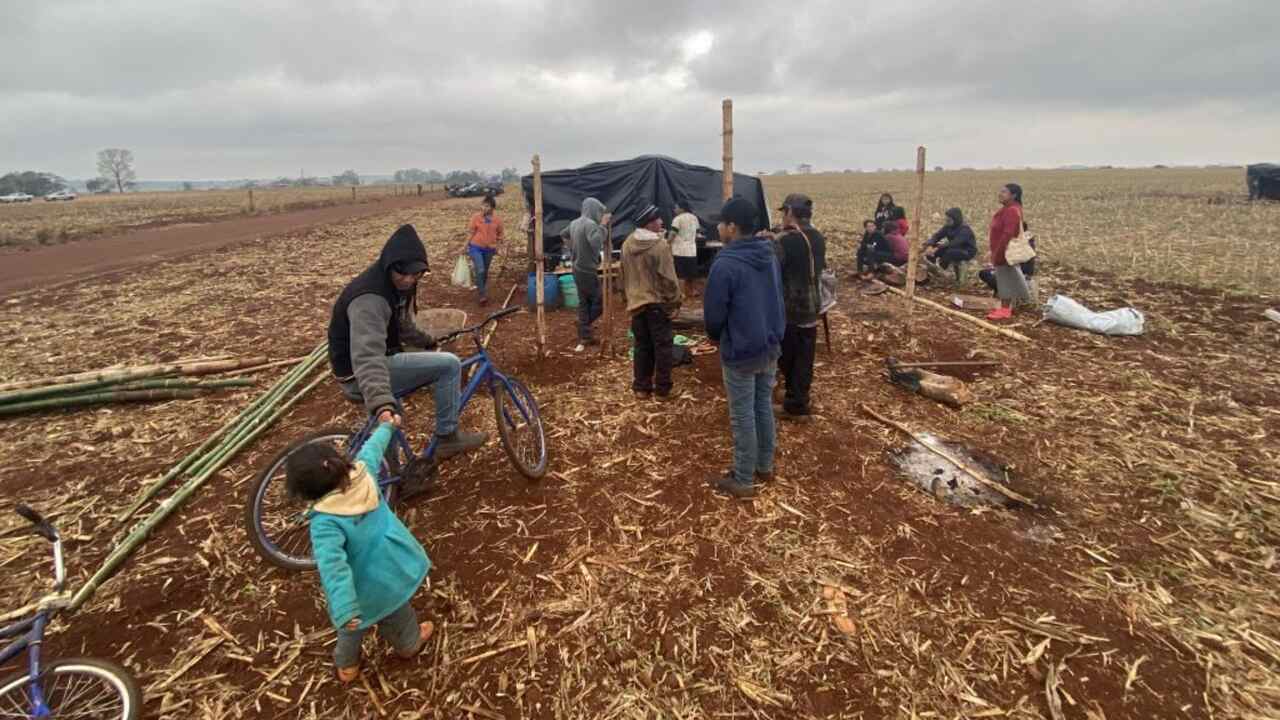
418,477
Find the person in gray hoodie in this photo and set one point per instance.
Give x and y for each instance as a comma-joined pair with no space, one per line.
587,238
372,321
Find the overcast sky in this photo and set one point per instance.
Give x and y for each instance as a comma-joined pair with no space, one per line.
203,89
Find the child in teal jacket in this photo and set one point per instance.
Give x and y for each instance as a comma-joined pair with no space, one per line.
370,564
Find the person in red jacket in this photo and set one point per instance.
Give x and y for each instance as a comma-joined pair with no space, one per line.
1011,285
900,216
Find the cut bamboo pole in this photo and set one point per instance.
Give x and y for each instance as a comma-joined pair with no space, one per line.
537,252
140,532
956,313
494,327
606,285
98,398
216,437
963,466
134,373
726,110
265,366
913,253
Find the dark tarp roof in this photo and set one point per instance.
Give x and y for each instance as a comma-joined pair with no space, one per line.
627,186
1264,181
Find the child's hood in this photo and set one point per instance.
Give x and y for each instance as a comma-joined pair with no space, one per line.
360,496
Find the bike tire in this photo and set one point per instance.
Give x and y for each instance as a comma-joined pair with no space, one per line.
58,675
533,466
296,555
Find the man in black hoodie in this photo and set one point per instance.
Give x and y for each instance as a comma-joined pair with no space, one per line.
953,243
802,252
372,321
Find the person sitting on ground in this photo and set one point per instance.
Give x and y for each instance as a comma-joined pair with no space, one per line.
373,319
899,246
953,243
485,234
884,210
684,246
653,298
873,251
744,314
370,564
587,239
1006,224
900,217
802,252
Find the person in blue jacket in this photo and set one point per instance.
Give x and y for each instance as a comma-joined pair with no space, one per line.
370,564
744,313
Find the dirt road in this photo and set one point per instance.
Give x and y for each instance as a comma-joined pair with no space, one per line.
23,270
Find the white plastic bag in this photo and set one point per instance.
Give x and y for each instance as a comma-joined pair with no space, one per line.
1065,311
827,289
462,273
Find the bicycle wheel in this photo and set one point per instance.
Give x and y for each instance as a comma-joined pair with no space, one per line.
76,688
277,523
520,428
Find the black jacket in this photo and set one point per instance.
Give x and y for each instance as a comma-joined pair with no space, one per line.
800,279
404,244
956,236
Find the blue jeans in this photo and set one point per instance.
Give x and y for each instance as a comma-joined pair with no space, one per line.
400,628
442,370
481,258
590,302
751,417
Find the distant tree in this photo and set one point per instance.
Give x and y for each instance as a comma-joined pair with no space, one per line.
248,184
98,185
350,177
463,176
435,176
780,172
31,183
412,175
188,187
804,169
937,168
116,164
510,175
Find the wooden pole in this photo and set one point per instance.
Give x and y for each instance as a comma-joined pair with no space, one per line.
727,186
956,313
540,268
606,285
250,199
913,257
353,193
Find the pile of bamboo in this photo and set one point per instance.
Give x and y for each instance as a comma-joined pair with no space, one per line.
203,462
169,381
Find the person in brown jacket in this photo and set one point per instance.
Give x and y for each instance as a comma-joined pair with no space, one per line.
653,297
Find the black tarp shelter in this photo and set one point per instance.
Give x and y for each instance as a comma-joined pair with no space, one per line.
1264,181
627,186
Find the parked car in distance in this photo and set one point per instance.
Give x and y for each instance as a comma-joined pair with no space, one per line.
15,198
60,195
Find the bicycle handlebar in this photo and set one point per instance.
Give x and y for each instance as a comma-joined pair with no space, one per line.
477,327
45,529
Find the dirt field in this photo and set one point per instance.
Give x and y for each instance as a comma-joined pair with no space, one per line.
46,223
1142,586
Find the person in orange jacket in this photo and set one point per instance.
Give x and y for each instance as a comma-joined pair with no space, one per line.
484,231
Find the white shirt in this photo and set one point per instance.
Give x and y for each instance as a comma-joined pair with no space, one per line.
685,243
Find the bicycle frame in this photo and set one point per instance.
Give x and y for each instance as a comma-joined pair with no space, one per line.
32,636
483,375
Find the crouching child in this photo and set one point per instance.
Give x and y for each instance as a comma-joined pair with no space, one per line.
370,564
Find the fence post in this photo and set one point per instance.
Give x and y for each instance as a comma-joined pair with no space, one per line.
727,180
250,200
913,257
540,269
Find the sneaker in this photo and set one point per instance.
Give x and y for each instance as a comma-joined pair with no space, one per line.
1000,313
805,419
579,348
642,395
459,442
483,301
729,486
764,477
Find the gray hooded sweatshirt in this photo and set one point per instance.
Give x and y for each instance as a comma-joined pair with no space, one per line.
586,237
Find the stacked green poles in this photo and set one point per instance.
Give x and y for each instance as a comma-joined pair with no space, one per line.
143,390
206,460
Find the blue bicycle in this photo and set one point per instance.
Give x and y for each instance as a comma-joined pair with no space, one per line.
277,524
79,688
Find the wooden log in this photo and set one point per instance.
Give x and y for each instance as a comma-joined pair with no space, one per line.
726,109
913,254
960,464
956,313
537,245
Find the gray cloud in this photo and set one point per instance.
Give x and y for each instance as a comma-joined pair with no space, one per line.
205,89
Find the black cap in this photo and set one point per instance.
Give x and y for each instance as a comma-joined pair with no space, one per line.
646,216
798,203
410,267
741,212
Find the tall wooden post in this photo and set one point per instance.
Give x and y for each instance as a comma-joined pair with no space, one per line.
727,109
353,193
606,285
540,266
913,258
250,200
